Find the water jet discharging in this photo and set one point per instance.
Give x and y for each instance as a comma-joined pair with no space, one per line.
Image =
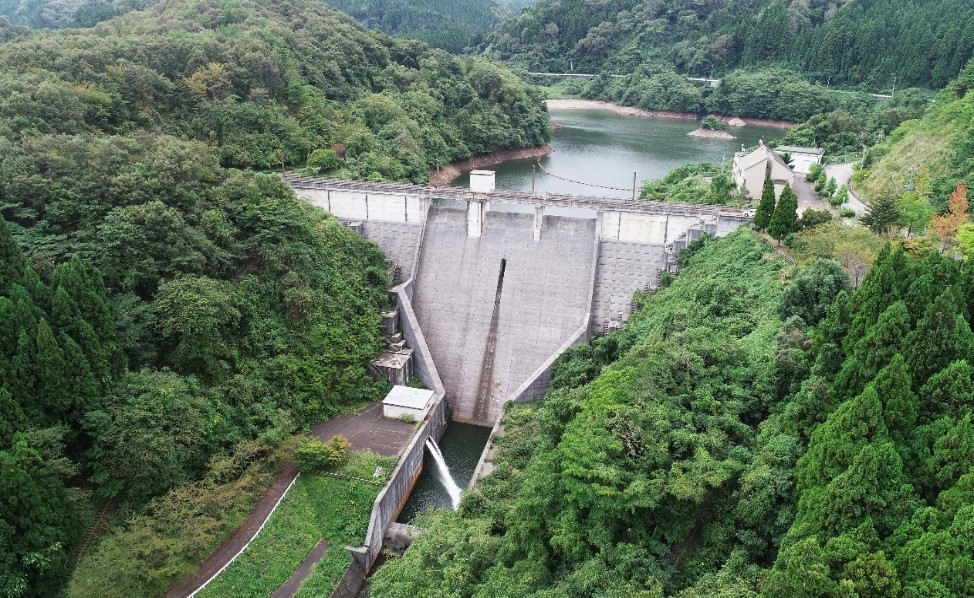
443,473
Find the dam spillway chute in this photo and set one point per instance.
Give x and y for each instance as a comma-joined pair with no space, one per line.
443,473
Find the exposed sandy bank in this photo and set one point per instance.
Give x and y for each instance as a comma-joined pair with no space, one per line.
449,173
710,134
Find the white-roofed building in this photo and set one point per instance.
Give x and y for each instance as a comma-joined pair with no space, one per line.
802,158
405,401
751,169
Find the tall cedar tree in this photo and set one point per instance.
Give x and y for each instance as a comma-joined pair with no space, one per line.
762,217
12,262
784,221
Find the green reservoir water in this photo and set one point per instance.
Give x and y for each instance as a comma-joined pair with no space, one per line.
605,148
461,445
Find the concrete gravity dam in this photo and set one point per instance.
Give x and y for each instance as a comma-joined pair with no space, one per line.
495,285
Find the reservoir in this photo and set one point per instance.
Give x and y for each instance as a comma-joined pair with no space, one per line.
603,147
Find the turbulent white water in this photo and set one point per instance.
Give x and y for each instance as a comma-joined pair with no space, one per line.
443,473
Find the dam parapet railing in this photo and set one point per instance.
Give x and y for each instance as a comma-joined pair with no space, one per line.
595,203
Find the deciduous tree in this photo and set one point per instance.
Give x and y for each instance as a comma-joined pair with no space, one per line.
947,225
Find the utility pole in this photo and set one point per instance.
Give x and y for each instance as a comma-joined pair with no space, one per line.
634,186
534,177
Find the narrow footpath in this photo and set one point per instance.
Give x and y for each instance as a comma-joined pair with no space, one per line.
365,429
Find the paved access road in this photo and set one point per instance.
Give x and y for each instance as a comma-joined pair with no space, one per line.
842,173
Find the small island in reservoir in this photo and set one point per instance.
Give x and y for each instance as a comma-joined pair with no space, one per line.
711,127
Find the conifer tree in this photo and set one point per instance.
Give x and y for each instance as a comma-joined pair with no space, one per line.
762,216
52,374
879,289
881,214
784,221
83,388
947,390
940,337
38,291
33,523
12,262
835,443
9,330
874,351
12,419
23,378
89,299
922,293
953,454
26,313
900,404
832,331
873,490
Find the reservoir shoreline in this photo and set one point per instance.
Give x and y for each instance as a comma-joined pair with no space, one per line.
579,104
445,175
602,145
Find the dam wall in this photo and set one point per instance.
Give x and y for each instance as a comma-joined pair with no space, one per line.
498,284
462,304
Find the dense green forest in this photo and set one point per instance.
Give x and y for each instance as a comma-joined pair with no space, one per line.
771,93
869,43
454,25
169,315
740,437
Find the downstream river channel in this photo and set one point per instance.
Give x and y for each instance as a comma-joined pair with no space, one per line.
603,147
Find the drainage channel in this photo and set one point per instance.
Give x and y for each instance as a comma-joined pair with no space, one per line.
461,446
485,389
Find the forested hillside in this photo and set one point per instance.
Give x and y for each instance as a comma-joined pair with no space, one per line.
869,43
453,25
922,162
56,14
740,437
268,84
169,316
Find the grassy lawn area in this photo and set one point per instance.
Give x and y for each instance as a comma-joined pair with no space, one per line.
318,506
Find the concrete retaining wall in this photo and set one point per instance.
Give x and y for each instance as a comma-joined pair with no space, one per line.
350,582
540,380
423,366
393,496
399,242
623,269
